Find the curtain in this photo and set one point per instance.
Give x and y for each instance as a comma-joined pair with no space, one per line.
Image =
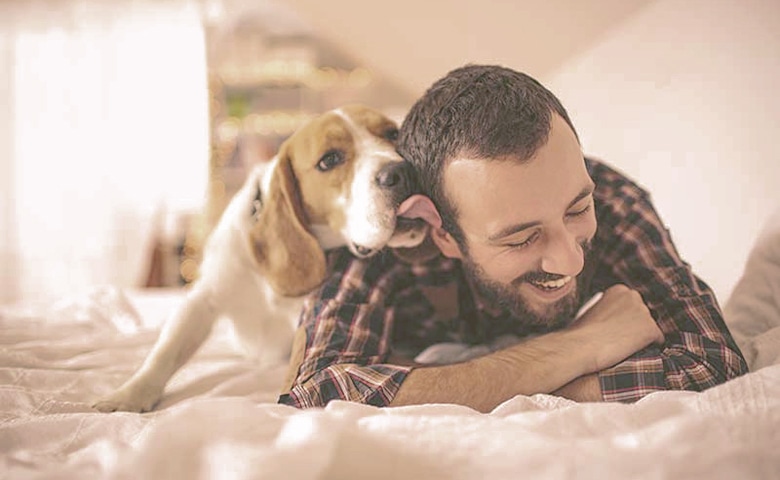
104,124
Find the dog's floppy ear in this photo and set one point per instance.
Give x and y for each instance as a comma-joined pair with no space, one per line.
288,255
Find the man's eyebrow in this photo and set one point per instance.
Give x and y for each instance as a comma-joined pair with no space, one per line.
583,193
513,229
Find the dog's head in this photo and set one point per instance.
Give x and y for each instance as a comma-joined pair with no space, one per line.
337,181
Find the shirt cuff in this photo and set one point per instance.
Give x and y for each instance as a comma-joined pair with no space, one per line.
634,378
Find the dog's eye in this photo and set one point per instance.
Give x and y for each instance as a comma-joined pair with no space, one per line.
391,134
331,159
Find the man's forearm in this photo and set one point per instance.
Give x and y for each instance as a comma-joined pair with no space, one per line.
539,365
586,388
616,327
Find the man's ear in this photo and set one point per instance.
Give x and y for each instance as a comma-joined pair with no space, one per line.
421,253
446,243
420,206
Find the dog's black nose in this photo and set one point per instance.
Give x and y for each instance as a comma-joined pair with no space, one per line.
395,175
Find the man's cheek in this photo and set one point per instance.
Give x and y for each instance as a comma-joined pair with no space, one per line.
510,274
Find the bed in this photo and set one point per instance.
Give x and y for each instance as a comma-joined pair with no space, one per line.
219,417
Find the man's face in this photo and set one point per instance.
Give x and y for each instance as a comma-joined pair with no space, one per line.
527,227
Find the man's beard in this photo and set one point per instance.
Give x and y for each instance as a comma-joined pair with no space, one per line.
508,297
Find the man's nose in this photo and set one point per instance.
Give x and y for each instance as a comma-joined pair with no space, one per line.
563,254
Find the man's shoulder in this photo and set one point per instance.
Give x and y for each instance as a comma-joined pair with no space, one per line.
353,276
347,270
611,183
342,260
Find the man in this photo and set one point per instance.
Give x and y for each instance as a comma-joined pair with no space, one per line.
528,230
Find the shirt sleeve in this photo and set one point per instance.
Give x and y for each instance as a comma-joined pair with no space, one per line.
349,327
698,351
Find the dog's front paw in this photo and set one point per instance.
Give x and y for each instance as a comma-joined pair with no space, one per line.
130,399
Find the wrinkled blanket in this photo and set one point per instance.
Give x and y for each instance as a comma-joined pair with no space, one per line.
219,418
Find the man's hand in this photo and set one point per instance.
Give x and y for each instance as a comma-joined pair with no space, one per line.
622,324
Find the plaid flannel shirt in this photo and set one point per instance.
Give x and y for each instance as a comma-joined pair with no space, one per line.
369,309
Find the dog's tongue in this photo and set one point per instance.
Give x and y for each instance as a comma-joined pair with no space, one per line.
411,207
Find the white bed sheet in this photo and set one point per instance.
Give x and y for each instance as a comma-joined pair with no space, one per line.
219,418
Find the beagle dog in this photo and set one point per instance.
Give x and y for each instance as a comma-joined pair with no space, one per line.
336,181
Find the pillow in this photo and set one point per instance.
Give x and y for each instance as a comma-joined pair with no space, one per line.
752,312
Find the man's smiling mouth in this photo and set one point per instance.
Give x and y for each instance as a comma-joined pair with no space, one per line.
552,285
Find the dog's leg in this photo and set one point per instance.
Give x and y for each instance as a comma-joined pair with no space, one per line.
181,336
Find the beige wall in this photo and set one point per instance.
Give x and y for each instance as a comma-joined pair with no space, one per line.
414,42
8,238
680,94
684,97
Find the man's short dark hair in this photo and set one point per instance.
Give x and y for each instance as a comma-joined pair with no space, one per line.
479,111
